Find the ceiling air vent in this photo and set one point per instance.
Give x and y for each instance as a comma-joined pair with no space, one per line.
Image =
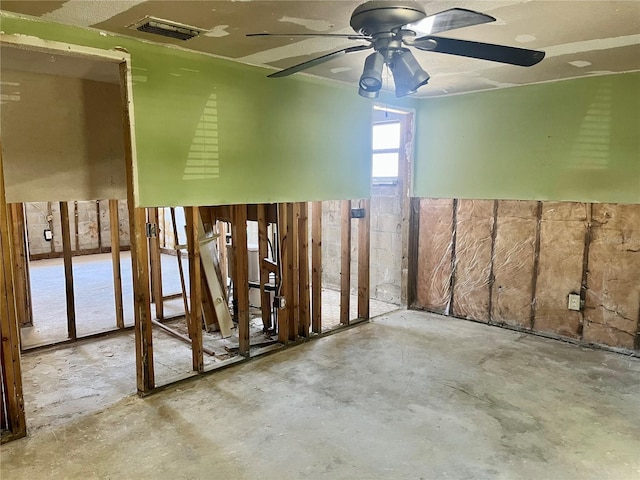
166,28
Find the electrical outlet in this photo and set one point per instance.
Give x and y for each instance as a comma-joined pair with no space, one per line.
48,235
280,303
574,302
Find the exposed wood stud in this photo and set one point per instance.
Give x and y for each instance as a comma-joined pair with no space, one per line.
52,244
263,252
492,278
68,270
139,253
345,261
316,267
183,287
222,252
414,239
404,189
364,250
293,266
452,279
195,288
536,265
22,287
588,236
284,278
114,227
156,265
303,231
9,335
76,226
241,281
99,225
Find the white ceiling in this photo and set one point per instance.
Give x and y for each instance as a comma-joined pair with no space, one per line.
580,37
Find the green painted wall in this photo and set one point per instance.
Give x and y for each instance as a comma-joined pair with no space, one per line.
293,139
576,140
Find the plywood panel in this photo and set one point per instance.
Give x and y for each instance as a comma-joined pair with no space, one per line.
62,138
473,259
613,286
513,261
562,237
434,254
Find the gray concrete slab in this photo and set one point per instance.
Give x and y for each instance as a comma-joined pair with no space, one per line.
409,396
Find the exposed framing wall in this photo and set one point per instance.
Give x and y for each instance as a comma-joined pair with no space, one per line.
137,220
89,223
12,416
514,263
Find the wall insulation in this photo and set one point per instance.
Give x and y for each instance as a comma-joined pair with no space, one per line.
515,263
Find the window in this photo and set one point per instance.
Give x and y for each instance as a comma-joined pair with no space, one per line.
386,149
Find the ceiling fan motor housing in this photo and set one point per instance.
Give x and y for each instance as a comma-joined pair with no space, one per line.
376,16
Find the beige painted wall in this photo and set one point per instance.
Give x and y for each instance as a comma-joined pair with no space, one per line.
62,138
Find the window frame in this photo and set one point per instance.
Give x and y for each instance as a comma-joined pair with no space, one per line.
387,180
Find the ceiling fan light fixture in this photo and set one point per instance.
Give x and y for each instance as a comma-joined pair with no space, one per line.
408,75
371,78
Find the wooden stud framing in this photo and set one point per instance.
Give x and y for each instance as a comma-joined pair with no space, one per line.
68,270
76,231
345,261
454,235
114,227
99,226
52,244
303,261
195,288
404,188
316,267
183,287
284,278
364,249
156,265
263,252
536,265
10,352
241,270
222,252
413,241
139,253
22,287
293,217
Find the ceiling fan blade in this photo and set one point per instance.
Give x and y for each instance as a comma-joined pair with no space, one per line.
317,61
448,20
483,51
334,35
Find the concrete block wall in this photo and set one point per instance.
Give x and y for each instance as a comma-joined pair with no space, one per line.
386,245
515,263
42,215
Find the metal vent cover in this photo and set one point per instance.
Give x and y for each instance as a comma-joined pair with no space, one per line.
166,28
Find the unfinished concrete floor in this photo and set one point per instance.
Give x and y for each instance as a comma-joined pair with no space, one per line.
409,396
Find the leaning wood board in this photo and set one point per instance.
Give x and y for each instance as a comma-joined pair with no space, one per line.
208,256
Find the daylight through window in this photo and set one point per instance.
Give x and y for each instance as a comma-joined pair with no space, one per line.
386,148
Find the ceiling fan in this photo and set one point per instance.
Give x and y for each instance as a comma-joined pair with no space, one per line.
391,26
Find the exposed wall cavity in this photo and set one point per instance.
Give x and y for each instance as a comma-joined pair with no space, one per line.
89,228
516,262
385,272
